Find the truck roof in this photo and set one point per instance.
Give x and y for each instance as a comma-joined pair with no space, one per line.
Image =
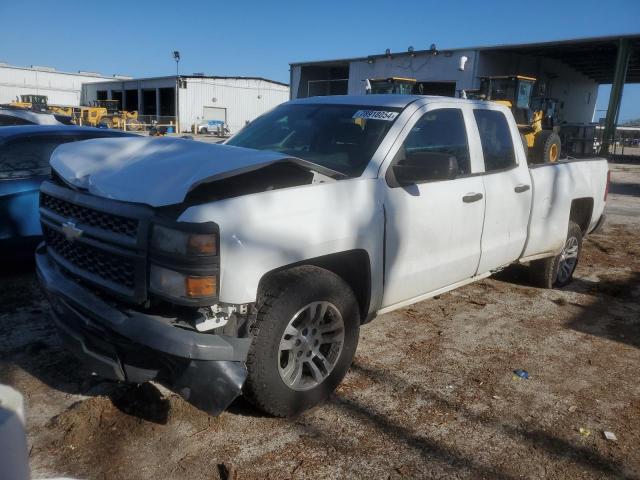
382,100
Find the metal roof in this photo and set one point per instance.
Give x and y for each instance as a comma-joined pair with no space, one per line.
173,77
594,57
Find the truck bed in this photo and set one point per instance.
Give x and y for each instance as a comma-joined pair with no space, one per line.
555,186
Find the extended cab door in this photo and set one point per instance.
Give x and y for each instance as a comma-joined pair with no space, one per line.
433,226
507,186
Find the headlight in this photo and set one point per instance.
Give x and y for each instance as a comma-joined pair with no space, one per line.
179,285
169,240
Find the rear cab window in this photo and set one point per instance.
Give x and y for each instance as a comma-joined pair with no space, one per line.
496,140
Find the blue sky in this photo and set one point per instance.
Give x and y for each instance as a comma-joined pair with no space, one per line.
261,37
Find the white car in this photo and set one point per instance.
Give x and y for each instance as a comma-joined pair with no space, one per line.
19,116
249,267
214,127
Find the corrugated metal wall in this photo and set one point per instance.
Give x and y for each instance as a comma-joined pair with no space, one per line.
423,67
244,99
61,88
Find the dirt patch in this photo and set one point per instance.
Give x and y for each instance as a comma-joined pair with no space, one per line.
432,393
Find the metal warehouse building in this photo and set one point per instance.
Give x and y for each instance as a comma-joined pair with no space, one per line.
570,70
61,88
234,100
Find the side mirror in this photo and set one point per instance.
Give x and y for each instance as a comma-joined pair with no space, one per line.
421,167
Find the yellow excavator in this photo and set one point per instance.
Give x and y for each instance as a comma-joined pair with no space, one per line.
537,123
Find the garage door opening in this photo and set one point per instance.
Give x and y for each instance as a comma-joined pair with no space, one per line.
324,80
116,95
167,102
149,102
215,113
131,100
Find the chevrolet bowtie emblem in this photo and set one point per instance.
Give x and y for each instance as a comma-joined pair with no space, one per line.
70,231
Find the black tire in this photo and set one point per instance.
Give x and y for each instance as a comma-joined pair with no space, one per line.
284,295
107,122
544,272
546,147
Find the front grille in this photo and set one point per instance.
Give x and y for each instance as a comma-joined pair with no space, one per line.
110,267
93,218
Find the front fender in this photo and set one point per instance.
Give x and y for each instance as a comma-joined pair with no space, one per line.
262,232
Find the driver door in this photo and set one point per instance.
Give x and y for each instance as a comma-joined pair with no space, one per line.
433,228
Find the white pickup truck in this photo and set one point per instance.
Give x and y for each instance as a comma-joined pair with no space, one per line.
249,267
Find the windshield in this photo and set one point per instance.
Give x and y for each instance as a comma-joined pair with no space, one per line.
340,137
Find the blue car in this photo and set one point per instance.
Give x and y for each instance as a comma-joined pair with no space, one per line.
24,164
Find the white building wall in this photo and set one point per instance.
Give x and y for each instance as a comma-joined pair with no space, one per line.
423,67
61,88
577,92
243,98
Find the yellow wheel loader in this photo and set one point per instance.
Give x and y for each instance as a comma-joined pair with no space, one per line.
395,85
535,122
107,113
31,102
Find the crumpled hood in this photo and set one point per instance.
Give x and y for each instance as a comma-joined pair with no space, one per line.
153,171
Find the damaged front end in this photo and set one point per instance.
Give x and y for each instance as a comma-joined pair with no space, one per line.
127,345
135,294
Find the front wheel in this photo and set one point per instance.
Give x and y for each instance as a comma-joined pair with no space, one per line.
304,340
558,271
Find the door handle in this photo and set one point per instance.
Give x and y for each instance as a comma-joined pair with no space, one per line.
472,197
521,188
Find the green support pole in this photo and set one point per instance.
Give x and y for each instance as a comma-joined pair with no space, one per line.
613,110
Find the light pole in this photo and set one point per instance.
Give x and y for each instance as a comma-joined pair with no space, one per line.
176,57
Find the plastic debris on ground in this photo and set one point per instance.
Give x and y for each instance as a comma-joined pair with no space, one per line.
522,373
610,436
585,432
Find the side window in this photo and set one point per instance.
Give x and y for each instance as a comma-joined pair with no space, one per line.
27,157
495,136
9,120
439,134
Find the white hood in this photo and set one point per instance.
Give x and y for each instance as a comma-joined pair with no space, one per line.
153,171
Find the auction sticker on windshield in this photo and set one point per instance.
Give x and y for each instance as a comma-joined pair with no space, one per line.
376,115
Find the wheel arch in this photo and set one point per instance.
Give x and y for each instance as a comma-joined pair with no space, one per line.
581,212
353,266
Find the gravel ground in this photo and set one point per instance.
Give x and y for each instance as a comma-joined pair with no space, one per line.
431,393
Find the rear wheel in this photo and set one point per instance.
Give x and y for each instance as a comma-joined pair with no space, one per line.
304,340
107,122
546,147
558,271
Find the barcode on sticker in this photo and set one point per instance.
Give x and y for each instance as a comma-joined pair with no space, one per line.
376,115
